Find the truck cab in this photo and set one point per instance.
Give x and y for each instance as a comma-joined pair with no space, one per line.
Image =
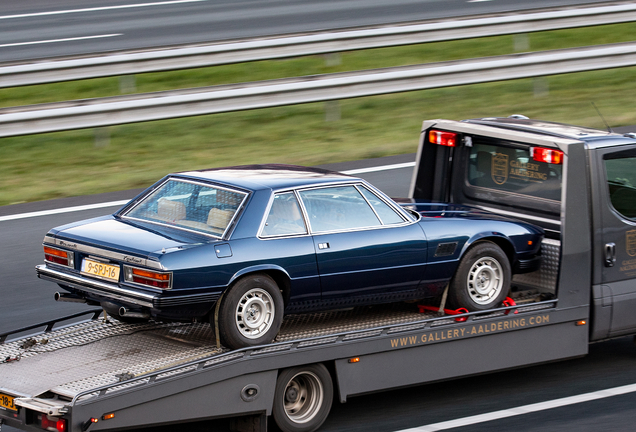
577,183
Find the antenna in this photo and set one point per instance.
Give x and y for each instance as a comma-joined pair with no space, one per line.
609,129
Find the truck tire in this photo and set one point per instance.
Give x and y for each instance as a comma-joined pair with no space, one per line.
251,312
482,279
302,399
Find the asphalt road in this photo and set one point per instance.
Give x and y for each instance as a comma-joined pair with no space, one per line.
26,299
36,29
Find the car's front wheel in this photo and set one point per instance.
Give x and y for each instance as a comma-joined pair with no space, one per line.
482,279
251,312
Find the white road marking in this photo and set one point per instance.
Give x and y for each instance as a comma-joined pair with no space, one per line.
99,8
477,1
121,203
380,168
63,210
60,40
525,409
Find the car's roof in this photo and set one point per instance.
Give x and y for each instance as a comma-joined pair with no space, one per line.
269,176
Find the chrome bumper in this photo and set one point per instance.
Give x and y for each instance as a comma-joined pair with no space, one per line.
93,286
117,293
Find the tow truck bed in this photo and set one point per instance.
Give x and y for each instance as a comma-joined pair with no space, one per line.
160,373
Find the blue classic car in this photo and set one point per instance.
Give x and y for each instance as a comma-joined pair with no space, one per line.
242,246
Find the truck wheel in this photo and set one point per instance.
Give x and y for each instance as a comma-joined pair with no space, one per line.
251,312
482,279
302,399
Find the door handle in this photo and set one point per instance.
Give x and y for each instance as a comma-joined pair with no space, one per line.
323,245
610,254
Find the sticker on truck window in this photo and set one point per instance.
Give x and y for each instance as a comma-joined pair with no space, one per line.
499,168
513,170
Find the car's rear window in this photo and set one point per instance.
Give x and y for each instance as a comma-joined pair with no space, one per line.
189,205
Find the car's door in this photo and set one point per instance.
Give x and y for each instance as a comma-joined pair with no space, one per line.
364,246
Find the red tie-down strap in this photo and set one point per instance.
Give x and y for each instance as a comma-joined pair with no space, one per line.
510,302
424,308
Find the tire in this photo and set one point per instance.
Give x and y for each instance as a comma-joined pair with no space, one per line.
251,312
482,279
302,399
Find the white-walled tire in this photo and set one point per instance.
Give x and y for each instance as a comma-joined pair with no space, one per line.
251,312
482,279
303,398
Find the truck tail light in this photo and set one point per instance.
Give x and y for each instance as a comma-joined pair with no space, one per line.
551,156
58,256
52,424
148,277
448,139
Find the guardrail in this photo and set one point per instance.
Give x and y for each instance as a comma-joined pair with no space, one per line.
183,103
173,58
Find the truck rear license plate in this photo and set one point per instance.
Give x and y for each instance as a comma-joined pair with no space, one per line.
103,270
6,402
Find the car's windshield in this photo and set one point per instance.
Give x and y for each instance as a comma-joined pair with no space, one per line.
189,205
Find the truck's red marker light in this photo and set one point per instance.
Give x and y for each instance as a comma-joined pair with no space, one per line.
551,156
61,425
448,139
53,424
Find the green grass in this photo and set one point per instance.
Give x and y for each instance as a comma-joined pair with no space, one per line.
73,163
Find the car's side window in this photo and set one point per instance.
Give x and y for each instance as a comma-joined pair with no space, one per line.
337,208
285,217
386,213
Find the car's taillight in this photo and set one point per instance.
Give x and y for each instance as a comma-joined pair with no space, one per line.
59,256
52,424
551,156
448,139
148,277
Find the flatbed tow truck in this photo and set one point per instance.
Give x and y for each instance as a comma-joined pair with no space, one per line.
101,374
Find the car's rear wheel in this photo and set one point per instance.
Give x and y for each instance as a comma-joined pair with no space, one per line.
251,312
482,279
302,399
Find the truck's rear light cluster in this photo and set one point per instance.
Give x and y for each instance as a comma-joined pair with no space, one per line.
58,256
52,424
551,156
448,139
148,277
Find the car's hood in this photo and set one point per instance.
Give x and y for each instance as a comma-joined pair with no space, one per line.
121,235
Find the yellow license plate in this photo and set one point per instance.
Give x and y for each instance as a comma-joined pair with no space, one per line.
6,402
102,270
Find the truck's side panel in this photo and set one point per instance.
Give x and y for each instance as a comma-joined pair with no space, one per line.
426,363
212,400
574,289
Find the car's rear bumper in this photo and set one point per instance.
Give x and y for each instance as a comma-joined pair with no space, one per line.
97,287
105,290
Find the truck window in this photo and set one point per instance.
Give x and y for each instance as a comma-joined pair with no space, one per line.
621,181
511,170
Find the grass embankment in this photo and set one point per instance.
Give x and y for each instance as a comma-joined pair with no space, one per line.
75,163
